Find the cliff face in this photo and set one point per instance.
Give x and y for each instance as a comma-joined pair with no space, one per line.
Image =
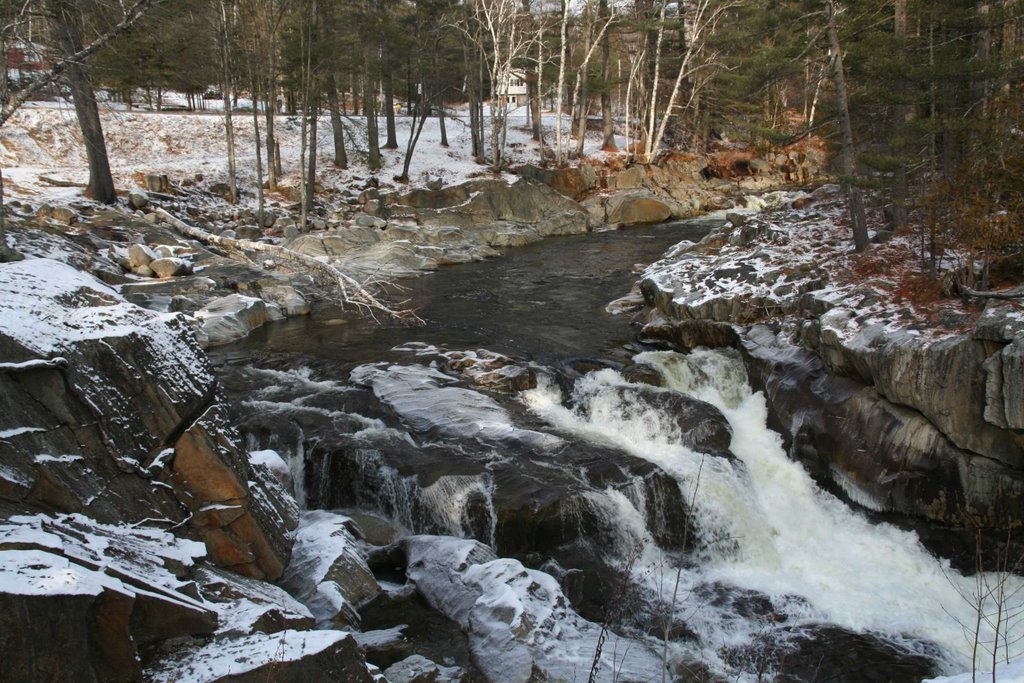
123,490
902,412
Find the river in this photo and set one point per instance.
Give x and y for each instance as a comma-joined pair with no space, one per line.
733,551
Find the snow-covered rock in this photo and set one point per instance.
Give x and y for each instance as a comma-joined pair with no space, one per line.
109,409
80,596
327,572
284,657
518,622
426,401
233,317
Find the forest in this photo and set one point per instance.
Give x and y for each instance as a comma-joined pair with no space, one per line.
918,101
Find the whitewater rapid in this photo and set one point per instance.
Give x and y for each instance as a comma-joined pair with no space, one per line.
765,526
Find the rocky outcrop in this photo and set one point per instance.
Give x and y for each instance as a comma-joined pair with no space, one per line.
160,534
75,360
479,203
75,591
897,418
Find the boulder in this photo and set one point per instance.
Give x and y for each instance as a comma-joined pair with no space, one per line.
327,573
249,232
632,208
628,179
138,199
248,606
170,267
140,255
233,317
158,182
284,296
366,220
61,214
419,669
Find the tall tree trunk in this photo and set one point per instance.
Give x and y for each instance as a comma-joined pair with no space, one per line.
337,127
70,30
901,112
314,121
370,107
537,93
229,126
847,157
6,253
389,103
584,100
259,160
607,123
560,88
440,121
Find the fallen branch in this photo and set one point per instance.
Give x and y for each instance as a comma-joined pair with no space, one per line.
1017,293
59,183
330,278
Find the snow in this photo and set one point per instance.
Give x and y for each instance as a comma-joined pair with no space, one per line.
221,658
18,431
43,139
516,617
273,461
36,572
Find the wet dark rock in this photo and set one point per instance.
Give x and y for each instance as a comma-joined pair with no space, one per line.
424,630
696,424
828,653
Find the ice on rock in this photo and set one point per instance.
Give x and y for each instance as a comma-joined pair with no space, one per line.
517,619
426,401
327,573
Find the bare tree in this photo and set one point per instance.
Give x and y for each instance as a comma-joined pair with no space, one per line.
501,36
701,19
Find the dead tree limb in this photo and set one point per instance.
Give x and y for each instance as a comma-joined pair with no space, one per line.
348,290
1017,293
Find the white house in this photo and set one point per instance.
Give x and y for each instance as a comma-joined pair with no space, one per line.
515,89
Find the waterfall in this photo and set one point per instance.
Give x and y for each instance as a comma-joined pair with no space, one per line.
765,527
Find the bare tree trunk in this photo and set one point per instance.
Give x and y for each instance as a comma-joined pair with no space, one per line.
607,123
901,112
560,88
229,126
584,98
314,127
440,120
389,103
337,127
372,140
848,159
70,30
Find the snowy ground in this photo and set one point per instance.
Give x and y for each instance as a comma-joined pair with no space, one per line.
43,139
